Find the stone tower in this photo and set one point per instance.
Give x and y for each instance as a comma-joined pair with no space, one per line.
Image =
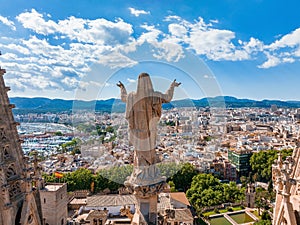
250,196
285,175
19,200
54,203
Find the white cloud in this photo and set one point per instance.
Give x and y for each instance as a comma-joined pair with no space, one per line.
168,51
214,21
70,82
254,45
35,21
100,31
289,40
171,18
151,35
297,52
177,30
288,60
283,50
271,62
131,80
18,48
215,44
137,12
82,42
116,60
7,22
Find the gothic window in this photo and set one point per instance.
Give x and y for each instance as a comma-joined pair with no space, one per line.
44,201
62,221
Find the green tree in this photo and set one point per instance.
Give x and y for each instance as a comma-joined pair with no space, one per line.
261,163
262,197
244,181
80,179
74,144
58,133
183,178
206,190
172,186
233,193
110,129
49,178
112,178
168,169
263,222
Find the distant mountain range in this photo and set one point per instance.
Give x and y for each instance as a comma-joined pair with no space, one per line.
43,105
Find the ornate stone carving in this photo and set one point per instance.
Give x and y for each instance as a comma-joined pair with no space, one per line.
97,217
6,194
125,211
3,136
147,191
283,183
6,154
10,172
14,189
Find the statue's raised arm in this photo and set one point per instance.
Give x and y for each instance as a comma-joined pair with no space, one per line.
167,97
123,91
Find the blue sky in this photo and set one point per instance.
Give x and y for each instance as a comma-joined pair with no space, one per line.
81,48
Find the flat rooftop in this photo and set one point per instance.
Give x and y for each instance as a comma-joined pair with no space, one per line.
53,187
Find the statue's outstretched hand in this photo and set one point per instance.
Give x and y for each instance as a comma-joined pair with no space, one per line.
120,84
176,84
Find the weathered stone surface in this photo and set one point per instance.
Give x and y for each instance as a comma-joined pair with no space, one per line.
18,201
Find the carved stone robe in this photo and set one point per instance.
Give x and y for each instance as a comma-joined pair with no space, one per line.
143,112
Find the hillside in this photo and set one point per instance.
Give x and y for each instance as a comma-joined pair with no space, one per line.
43,105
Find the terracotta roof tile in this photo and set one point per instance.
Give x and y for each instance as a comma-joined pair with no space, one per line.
110,200
180,197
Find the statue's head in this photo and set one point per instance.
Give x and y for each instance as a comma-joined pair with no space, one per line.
144,85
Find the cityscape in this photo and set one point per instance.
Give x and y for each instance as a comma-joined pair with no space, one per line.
149,113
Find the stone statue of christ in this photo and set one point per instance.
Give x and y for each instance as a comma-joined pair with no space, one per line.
143,112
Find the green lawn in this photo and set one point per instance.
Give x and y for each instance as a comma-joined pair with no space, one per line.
256,214
237,208
209,213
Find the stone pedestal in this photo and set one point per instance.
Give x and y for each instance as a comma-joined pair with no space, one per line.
146,183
